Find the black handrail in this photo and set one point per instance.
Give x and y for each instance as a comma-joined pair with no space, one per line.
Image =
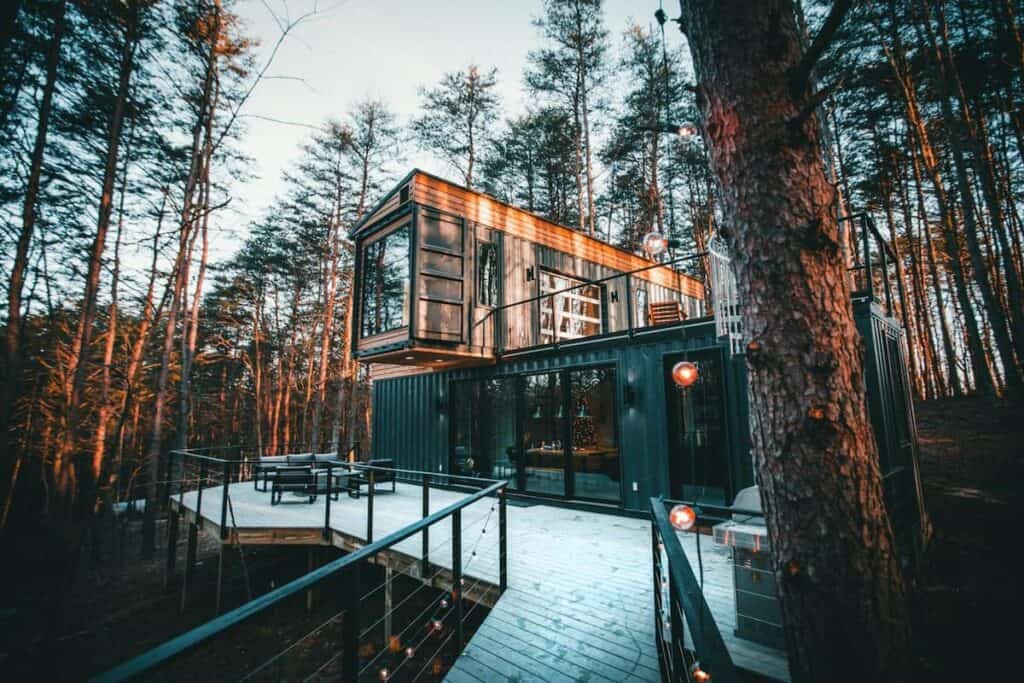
176,646
885,253
687,609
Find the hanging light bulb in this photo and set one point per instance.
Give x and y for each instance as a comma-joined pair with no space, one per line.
437,625
383,675
684,373
409,652
444,603
655,243
682,517
687,130
698,674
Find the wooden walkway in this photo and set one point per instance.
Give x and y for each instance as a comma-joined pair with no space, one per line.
579,605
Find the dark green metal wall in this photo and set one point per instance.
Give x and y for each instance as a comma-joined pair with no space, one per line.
410,420
410,414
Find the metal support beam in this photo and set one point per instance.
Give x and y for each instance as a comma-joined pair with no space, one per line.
387,605
190,563
350,625
460,640
425,558
220,578
172,547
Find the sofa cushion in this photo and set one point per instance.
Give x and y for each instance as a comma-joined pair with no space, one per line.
301,459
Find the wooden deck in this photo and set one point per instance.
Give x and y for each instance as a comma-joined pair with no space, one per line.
578,606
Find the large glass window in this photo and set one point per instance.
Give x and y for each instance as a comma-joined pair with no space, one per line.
595,443
385,300
484,428
569,315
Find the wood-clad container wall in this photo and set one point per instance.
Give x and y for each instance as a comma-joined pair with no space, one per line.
440,274
441,271
444,196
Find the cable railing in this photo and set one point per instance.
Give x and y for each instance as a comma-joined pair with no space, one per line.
390,614
570,309
680,609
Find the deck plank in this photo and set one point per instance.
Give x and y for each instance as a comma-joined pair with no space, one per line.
579,604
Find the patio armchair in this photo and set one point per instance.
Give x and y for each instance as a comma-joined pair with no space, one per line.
296,479
380,476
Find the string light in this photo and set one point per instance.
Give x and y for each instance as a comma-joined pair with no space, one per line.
682,517
655,243
444,603
437,625
684,373
409,652
698,674
383,675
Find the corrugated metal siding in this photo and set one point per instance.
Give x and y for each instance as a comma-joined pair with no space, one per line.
410,426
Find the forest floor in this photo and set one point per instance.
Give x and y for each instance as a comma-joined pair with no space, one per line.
968,606
966,609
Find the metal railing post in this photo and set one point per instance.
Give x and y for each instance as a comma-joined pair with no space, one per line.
425,560
350,626
369,511
457,577
172,544
327,505
502,541
629,303
168,486
866,245
224,501
199,491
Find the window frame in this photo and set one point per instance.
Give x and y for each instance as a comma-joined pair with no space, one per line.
574,295
364,290
491,250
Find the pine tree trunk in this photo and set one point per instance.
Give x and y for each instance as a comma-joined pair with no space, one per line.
948,78
19,267
840,584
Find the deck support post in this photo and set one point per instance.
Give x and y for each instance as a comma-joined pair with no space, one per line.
387,604
352,592
190,562
425,555
369,510
172,546
220,578
311,564
460,640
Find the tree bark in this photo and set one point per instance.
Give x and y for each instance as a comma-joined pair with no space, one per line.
12,388
840,584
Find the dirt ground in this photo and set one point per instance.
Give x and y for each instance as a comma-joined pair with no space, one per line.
968,597
121,608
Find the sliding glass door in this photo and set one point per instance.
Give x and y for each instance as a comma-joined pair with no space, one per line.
542,464
552,433
595,441
483,429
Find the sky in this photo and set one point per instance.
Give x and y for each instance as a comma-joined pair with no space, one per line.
384,49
